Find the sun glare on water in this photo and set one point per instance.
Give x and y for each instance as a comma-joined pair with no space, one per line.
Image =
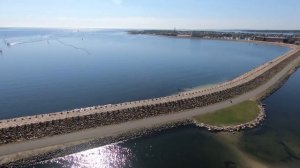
102,157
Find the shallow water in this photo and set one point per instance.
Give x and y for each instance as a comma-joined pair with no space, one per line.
276,143
184,147
49,70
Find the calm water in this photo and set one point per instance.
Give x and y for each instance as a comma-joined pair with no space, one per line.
276,144
48,70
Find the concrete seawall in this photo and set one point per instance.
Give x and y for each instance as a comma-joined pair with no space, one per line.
37,126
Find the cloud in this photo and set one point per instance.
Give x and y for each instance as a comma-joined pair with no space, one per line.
117,2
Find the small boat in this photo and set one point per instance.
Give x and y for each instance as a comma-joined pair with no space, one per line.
9,44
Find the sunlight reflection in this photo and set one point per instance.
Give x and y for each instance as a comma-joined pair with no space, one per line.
108,156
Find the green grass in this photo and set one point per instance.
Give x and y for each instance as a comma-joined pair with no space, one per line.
234,115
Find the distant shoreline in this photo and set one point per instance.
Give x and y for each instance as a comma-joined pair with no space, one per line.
223,35
291,46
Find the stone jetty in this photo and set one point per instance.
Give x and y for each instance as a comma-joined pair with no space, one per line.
37,126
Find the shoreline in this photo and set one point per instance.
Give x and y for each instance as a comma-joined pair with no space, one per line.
181,114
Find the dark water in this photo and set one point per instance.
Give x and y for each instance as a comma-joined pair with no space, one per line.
184,147
279,140
276,144
49,70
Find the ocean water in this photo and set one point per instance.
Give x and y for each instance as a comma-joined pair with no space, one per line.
49,70
275,144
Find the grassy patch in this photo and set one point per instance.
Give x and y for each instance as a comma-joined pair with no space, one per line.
234,115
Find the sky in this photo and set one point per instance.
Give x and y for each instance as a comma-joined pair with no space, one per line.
152,14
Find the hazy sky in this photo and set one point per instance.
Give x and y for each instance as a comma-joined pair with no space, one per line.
167,14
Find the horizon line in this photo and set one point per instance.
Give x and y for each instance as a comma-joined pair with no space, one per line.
112,28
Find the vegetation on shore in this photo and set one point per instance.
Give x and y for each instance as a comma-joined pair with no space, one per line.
237,114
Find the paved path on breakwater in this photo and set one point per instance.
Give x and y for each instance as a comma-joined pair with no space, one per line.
139,124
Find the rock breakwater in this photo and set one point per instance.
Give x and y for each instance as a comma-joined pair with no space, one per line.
38,126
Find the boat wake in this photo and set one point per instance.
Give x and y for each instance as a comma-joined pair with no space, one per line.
19,42
48,38
73,46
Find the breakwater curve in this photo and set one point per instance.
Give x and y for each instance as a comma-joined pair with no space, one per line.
37,126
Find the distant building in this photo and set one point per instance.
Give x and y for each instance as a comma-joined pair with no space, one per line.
276,39
258,38
272,39
294,40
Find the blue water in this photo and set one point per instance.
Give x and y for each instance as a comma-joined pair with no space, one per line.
49,70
